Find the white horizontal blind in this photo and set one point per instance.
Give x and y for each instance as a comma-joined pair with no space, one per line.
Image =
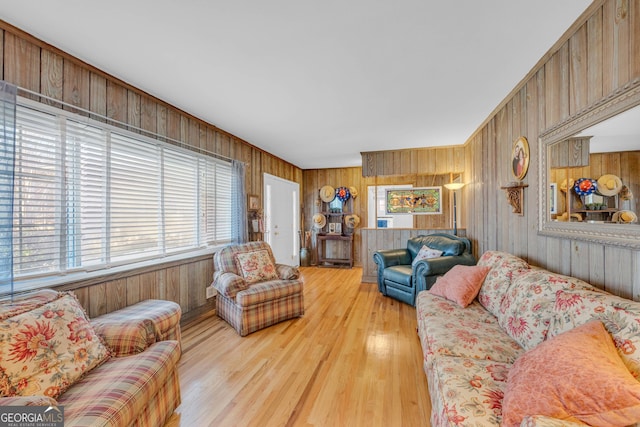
135,191
37,193
180,180
86,194
89,196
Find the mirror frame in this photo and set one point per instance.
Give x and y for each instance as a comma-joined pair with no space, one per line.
619,101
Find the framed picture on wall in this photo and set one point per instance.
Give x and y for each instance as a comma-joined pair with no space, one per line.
253,202
415,201
520,158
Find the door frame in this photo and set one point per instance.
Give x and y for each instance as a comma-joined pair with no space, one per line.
282,184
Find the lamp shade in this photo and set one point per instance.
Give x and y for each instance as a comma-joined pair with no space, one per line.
454,185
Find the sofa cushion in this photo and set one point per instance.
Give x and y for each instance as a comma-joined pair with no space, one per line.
446,329
469,391
256,266
116,392
563,378
268,291
49,348
528,306
460,284
448,246
399,274
619,316
498,280
426,253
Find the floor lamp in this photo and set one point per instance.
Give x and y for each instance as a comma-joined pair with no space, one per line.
454,186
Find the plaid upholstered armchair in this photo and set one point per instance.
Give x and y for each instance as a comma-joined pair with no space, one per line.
253,291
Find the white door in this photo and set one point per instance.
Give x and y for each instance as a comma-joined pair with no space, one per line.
282,218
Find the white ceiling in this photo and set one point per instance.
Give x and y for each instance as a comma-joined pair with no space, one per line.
313,82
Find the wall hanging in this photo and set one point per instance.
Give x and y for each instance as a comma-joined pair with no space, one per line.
417,201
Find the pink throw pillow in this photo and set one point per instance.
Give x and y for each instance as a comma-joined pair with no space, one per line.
575,376
426,253
461,284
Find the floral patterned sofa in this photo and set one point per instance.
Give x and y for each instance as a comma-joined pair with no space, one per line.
119,369
534,348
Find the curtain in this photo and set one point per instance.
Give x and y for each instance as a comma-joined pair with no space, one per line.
239,219
7,150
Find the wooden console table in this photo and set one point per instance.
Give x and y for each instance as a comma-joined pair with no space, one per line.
345,251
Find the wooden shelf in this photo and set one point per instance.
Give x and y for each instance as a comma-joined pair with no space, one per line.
515,197
326,261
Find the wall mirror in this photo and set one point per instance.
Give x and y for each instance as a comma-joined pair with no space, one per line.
590,173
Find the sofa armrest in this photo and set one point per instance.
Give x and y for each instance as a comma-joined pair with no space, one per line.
28,401
287,272
425,271
229,284
389,258
544,421
125,338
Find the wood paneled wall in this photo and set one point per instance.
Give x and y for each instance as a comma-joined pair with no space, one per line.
597,55
41,68
418,161
447,158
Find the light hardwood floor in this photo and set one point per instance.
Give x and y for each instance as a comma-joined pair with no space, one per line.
354,359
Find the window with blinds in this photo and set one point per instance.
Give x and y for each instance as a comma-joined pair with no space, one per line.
89,196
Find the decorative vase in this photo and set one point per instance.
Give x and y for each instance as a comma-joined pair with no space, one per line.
304,257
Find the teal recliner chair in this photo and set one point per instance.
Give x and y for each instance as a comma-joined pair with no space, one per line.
399,279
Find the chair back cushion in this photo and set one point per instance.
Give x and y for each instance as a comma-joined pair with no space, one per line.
449,245
224,261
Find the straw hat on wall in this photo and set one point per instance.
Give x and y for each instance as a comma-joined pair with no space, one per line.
609,185
566,185
327,193
625,217
352,220
319,221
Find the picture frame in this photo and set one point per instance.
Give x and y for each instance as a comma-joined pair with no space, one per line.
253,202
553,198
332,228
414,201
520,158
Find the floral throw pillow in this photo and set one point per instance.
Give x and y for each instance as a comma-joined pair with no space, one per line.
426,253
619,316
47,349
256,266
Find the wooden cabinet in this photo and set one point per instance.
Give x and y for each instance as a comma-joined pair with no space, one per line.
341,254
334,244
335,214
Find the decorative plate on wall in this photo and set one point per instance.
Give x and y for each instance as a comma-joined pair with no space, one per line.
585,186
342,193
